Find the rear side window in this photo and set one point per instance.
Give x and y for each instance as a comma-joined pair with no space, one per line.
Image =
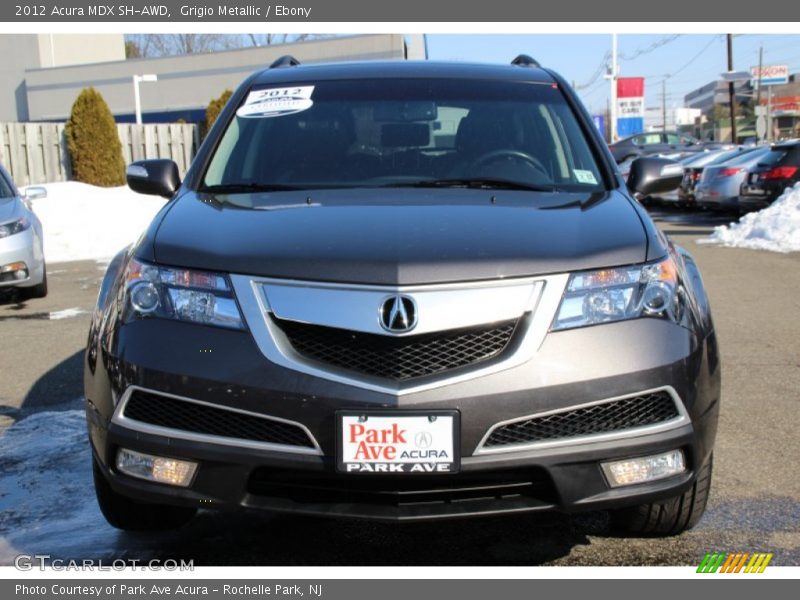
367,133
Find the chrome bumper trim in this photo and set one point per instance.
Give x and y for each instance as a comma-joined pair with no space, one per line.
120,419
679,421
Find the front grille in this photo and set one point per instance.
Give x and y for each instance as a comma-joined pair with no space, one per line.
398,358
173,413
618,415
400,491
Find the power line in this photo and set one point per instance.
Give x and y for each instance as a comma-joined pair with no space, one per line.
597,72
650,48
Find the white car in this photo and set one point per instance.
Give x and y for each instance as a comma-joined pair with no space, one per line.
21,241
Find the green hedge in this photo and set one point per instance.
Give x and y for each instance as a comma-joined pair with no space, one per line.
93,142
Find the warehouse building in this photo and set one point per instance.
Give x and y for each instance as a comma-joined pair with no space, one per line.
44,73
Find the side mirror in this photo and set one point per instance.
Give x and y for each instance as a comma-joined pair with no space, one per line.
157,177
652,176
34,193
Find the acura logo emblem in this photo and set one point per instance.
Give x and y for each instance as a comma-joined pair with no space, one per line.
398,314
423,439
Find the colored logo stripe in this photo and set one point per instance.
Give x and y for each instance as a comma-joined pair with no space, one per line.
734,562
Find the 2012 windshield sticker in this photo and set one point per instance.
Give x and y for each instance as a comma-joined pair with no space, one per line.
276,102
585,176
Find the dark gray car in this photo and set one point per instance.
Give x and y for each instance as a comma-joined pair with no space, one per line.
656,142
403,291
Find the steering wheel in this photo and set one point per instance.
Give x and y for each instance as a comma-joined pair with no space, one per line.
517,155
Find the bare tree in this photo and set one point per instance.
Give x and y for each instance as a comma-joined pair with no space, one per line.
176,44
268,39
153,45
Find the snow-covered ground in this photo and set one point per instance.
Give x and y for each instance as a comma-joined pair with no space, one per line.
35,509
84,222
775,228
47,502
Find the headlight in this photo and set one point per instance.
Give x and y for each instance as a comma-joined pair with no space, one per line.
607,295
7,229
181,294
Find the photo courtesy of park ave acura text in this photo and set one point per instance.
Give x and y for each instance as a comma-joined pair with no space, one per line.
399,299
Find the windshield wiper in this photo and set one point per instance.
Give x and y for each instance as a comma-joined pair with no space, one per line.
485,183
244,188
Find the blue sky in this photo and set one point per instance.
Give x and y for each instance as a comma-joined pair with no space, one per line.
692,59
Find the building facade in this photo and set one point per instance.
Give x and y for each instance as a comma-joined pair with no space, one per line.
24,52
48,80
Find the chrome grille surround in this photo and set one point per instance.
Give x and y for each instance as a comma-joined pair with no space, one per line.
442,307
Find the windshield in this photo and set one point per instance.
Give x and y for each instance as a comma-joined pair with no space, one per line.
773,156
404,132
726,156
748,156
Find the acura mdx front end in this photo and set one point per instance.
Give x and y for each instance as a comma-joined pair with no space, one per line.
403,291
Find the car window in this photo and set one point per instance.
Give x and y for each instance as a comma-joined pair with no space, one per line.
686,140
673,138
6,191
364,133
647,139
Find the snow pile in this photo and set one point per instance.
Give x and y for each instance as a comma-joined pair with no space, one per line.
46,493
775,228
84,222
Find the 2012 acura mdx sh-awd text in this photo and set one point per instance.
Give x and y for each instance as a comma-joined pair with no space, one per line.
403,291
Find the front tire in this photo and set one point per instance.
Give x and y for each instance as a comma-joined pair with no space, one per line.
123,513
668,517
37,291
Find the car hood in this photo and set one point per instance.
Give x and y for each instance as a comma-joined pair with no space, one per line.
398,236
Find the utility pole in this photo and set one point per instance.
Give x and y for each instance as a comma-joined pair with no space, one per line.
758,89
613,88
732,89
664,105
760,66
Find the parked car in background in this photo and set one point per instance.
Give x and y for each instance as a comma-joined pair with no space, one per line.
693,170
21,240
720,184
655,142
671,197
778,169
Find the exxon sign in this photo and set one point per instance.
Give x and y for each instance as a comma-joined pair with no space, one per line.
771,75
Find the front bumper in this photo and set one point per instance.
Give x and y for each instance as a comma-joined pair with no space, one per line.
570,368
22,248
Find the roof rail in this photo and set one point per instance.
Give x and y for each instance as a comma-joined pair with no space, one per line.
523,60
287,60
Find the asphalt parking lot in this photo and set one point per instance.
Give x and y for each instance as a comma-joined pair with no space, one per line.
48,507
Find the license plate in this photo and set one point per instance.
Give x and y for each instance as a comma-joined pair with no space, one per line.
753,177
395,442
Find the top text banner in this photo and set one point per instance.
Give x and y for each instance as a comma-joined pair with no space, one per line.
397,11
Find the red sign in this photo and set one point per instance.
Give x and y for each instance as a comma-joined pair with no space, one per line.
630,87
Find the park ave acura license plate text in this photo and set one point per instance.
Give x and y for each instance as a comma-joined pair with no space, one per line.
398,443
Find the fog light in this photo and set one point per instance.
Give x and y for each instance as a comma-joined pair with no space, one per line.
156,468
15,266
644,469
